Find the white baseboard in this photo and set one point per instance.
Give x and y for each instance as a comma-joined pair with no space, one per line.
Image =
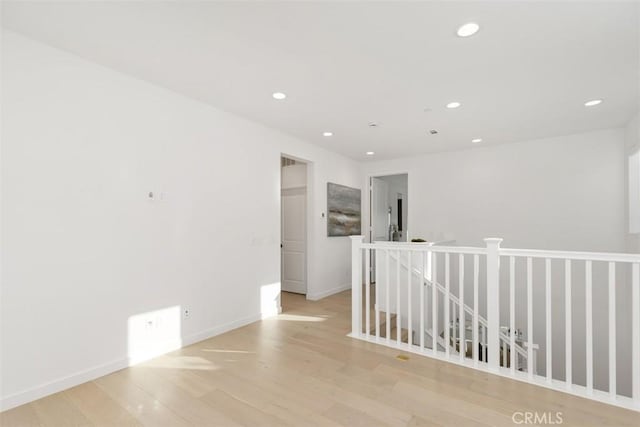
61,384
329,292
87,375
271,312
219,330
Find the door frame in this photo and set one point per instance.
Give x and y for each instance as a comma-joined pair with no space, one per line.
368,200
368,231
308,219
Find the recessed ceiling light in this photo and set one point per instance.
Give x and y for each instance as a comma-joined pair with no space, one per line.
453,105
327,134
593,102
370,153
468,29
476,140
279,96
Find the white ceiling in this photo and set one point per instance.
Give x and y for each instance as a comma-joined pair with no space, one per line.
525,75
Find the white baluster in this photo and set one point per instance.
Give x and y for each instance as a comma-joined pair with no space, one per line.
454,328
377,299
568,322
530,361
461,313
612,329
635,332
447,299
475,348
589,325
367,272
423,256
434,303
483,343
512,312
398,320
504,354
409,318
386,284
547,305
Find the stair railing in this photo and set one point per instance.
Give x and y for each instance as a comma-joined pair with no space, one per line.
603,288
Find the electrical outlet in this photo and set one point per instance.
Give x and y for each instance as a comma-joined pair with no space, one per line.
186,313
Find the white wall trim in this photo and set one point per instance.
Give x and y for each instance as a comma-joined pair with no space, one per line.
329,292
90,374
61,384
221,329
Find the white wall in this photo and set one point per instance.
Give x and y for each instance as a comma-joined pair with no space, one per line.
84,253
556,193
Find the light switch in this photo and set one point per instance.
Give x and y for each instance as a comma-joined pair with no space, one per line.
153,195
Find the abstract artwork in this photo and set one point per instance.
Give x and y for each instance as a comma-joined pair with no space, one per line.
343,207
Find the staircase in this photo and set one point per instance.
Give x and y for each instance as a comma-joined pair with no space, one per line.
393,328
448,339
505,345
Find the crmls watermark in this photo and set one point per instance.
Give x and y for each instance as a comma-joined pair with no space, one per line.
537,418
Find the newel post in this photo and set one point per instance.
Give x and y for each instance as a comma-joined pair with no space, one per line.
493,302
356,285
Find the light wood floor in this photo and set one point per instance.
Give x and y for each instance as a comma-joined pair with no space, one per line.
300,369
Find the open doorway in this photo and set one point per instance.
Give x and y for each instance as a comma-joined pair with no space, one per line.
389,203
388,210
293,230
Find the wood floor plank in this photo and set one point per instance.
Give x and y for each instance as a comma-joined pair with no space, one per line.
194,410
240,411
58,410
416,421
188,381
22,416
351,417
280,405
450,403
148,410
99,407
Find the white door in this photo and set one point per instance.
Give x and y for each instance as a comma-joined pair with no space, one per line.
379,210
294,240
380,216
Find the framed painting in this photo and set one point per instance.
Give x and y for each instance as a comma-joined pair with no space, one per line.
343,210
